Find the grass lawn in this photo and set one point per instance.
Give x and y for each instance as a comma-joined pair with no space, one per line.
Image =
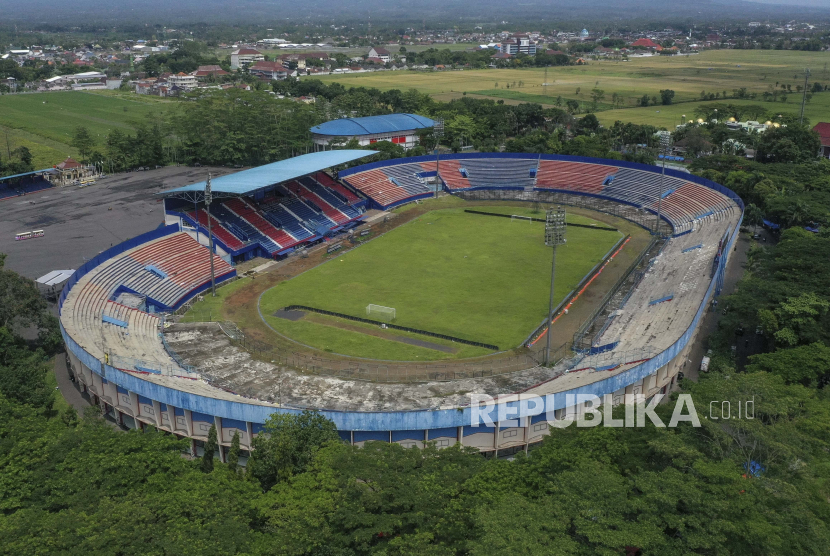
475,277
817,110
715,71
209,309
45,122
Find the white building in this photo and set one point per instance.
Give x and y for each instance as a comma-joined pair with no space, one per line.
243,57
183,81
378,52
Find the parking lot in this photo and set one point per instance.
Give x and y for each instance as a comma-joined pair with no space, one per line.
80,222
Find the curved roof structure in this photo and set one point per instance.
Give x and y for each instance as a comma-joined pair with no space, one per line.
246,181
373,124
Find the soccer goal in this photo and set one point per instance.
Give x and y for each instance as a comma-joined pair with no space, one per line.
514,217
380,312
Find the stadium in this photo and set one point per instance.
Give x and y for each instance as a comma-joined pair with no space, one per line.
633,312
398,129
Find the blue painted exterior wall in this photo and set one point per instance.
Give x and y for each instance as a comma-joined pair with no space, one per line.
411,422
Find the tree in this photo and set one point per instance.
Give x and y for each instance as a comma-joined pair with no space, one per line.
288,446
83,141
666,96
754,215
572,106
206,464
21,305
597,96
799,365
793,143
233,453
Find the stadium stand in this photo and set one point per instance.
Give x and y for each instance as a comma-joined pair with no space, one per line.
242,216
219,229
96,320
450,171
281,216
23,186
245,211
500,172
389,190
325,215
341,211
639,350
327,181
573,176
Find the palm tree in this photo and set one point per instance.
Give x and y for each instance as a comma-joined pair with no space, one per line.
797,212
754,216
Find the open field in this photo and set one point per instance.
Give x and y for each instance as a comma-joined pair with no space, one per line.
44,122
817,110
715,71
45,152
479,278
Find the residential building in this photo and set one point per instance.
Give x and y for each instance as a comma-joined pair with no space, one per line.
243,57
378,52
183,81
268,71
823,129
204,72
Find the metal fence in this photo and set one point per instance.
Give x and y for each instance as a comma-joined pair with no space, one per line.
641,217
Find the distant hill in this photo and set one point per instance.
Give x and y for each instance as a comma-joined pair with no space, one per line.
467,11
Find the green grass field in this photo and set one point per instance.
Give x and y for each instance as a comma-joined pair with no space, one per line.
480,278
712,71
45,122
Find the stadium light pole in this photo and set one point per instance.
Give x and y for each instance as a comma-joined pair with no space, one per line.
554,236
438,132
208,199
665,143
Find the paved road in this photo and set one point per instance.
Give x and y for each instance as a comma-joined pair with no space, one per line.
734,272
72,393
69,389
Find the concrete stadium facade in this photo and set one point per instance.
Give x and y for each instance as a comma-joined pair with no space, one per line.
175,400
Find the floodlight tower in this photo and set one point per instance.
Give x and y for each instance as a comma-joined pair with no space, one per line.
665,144
554,236
438,132
208,199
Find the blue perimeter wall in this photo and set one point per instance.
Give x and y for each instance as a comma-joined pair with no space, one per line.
408,420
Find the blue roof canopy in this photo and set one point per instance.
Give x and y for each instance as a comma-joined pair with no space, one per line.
44,171
369,125
247,181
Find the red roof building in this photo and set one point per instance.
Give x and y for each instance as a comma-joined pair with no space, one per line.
69,164
268,71
823,129
203,72
647,43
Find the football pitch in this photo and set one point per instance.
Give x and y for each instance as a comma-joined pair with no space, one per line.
480,278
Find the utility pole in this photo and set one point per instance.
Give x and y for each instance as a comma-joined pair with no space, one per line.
554,236
208,200
804,93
